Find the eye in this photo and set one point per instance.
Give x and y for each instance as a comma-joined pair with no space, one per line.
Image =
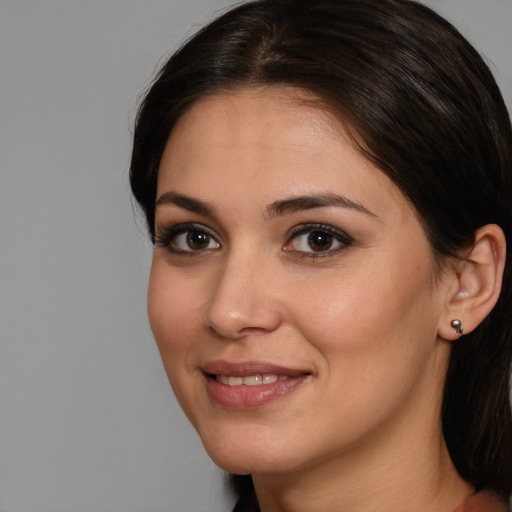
186,238
194,240
317,240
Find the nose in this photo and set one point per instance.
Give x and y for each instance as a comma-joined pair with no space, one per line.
244,299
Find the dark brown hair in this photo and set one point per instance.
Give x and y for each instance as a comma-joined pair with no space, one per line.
423,106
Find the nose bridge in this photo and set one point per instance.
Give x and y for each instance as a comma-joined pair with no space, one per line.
243,298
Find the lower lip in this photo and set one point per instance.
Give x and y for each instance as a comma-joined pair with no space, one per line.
242,397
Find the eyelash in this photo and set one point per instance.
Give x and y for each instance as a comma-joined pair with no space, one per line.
167,236
337,235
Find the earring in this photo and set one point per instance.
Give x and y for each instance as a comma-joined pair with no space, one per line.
457,325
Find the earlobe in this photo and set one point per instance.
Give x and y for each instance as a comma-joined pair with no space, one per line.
477,285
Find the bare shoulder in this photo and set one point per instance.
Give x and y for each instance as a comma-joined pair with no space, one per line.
483,502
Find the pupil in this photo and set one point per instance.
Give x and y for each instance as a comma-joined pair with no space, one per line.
198,239
319,241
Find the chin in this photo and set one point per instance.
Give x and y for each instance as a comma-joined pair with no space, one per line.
249,465
243,457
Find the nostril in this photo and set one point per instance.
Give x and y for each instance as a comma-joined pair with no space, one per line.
239,305
253,320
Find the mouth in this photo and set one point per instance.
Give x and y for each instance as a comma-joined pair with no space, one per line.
246,385
261,379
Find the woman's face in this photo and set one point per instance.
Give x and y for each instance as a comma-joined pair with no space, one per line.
292,295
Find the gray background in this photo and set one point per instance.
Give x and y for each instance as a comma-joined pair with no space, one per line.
87,419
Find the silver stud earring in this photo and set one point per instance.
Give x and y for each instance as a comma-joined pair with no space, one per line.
457,325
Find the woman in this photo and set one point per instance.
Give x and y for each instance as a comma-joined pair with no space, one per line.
327,184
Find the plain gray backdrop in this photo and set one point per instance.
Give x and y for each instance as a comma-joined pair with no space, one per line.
87,419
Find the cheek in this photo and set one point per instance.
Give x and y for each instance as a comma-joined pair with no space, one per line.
174,320
375,344
173,315
373,311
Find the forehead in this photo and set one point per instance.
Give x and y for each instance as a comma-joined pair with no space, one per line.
280,140
259,113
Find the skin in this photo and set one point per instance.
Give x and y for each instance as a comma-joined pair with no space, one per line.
361,318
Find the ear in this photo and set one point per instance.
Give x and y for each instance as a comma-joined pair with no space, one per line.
477,284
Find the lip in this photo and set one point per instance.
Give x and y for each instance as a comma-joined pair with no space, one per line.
242,397
244,368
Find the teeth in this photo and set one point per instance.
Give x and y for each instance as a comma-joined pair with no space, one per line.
222,378
250,380
235,381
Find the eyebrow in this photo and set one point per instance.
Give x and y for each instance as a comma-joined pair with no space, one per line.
300,203
188,203
275,209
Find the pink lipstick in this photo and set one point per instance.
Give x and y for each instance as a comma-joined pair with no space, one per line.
251,384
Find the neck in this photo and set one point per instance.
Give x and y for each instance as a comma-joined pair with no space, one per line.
396,471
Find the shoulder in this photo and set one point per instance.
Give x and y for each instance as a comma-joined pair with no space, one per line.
482,502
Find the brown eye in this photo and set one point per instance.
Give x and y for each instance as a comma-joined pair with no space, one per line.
197,240
317,240
193,240
186,238
320,241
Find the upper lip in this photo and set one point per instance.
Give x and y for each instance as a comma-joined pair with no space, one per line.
245,368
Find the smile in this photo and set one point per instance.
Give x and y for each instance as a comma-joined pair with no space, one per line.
250,380
250,384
